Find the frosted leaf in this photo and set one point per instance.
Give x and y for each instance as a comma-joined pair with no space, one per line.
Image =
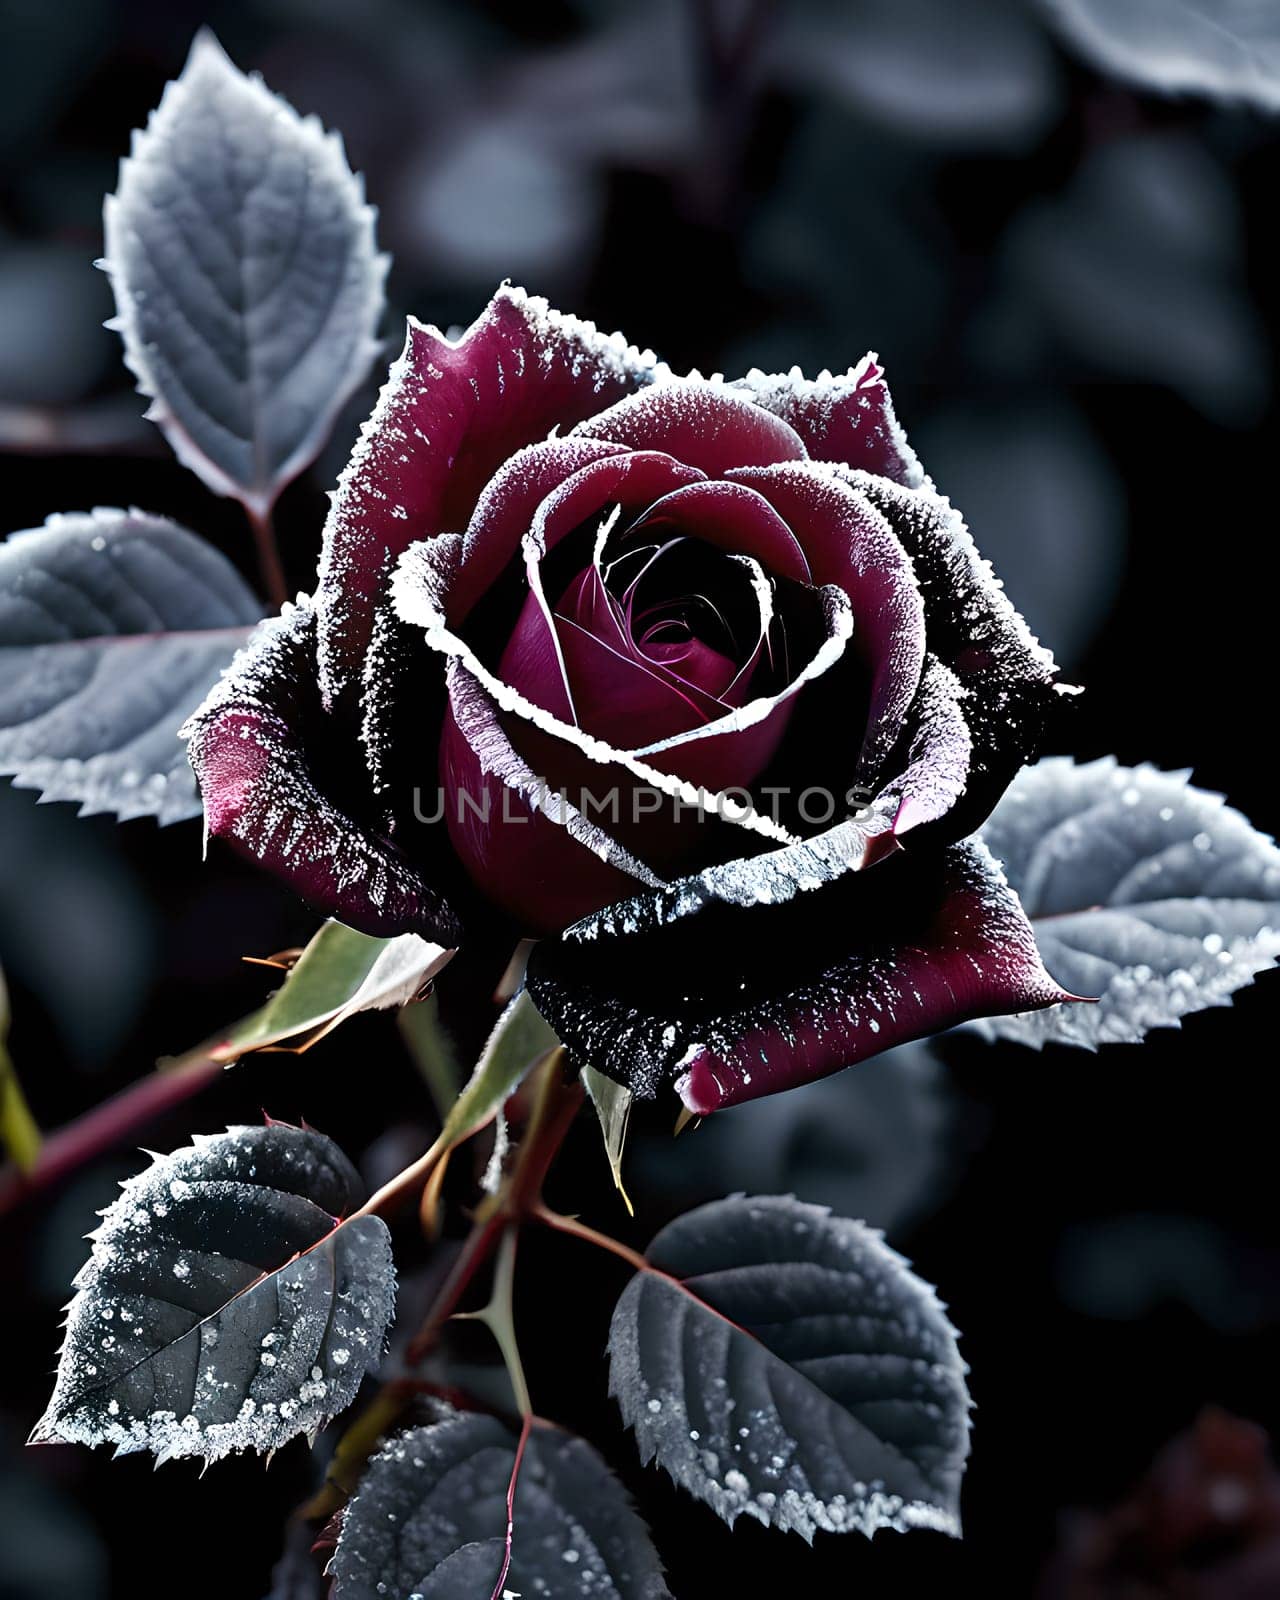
247,282
979,75
1151,895
1225,49
221,1287
113,626
1139,268
784,1364
878,1143
430,1519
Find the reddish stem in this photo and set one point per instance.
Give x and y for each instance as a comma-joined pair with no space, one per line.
526,1428
602,1241
556,1106
403,1184
479,1246
269,564
110,1124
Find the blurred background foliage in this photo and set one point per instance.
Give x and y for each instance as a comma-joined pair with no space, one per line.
1071,281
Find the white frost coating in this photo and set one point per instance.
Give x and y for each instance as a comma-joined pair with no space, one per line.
391,433
416,604
1154,896
686,402
473,711
818,400
771,1441
771,878
1227,49
491,1178
937,769
873,548
262,1357
245,434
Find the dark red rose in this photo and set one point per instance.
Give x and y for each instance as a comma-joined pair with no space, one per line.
1204,1524
710,682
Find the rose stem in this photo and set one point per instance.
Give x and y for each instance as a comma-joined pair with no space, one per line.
554,1109
499,1317
269,565
580,1230
107,1125
403,1184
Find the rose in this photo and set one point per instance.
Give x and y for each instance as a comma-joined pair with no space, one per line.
709,682
1202,1524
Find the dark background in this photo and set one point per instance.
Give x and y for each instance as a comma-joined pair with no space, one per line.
1072,286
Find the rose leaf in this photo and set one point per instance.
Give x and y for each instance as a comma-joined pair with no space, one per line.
1153,896
113,626
226,1306
430,1519
248,286
783,1363
1224,49
518,1039
340,972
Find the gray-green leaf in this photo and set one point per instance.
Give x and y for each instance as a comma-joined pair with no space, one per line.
1225,49
339,973
226,1306
1154,897
784,1364
430,1519
114,625
247,282
519,1037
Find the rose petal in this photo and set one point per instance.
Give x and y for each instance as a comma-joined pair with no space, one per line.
249,744
625,481
507,507
849,544
729,1003
849,418
703,424
1007,677
938,755
451,413
735,518
417,601
618,700
524,844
